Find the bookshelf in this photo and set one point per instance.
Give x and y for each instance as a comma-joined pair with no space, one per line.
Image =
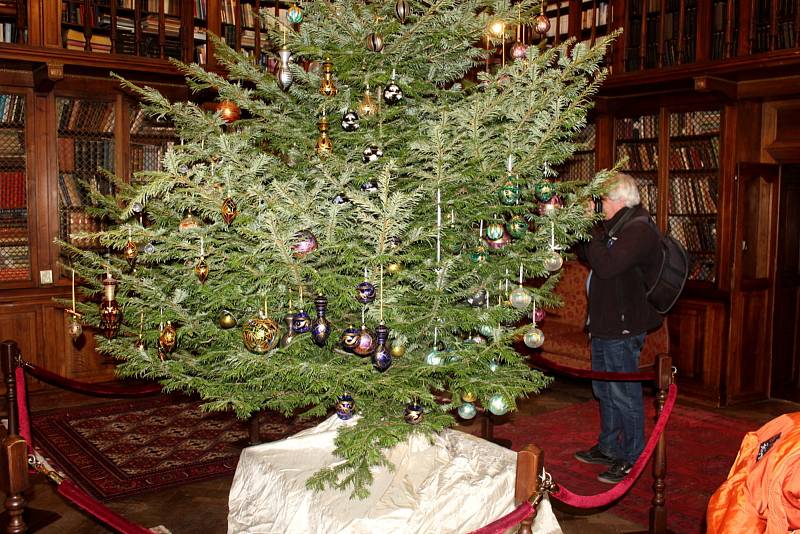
13,19
149,142
15,256
636,140
85,145
581,166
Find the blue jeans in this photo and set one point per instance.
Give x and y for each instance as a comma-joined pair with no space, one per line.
621,403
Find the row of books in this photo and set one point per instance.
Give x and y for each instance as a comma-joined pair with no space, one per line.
72,193
171,7
85,155
172,26
76,114
698,156
12,109
9,33
248,16
580,166
75,40
719,46
142,125
595,17
15,263
644,127
75,220
648,193
201,9
641,156
12,190
693,196
697,235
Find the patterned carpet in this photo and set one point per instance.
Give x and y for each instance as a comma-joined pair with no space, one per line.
130,447
701,448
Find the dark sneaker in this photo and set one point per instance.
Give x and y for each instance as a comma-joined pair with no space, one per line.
615,473
594,456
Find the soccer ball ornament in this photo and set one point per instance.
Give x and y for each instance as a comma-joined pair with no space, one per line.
260,334
365,293
371,153
392,94
345,407
467,411
534,338
413,414
498,405
350,121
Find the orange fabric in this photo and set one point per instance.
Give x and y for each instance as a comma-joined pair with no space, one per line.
761,496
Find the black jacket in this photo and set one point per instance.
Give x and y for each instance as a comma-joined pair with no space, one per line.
618,305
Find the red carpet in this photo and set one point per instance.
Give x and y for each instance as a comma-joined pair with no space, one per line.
130,447
701,448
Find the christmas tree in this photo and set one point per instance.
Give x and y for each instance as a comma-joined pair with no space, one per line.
356,239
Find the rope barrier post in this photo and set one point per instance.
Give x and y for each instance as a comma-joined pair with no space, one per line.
658,508
15,481
8,358
530,462
255,429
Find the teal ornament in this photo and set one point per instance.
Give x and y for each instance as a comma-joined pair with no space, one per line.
345,407
520,298
467,411
413,414
494,231
544,190
434,357
534,338
486,330
479,255
508,193
295,14
498,405
517,227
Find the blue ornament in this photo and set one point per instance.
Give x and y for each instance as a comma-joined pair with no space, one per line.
301,323
382,357
498,405
321,327
467,410
413,413
366,293
350,338
345,407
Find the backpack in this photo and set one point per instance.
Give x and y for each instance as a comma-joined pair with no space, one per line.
664,290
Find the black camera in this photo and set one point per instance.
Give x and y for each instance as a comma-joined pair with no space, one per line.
598,204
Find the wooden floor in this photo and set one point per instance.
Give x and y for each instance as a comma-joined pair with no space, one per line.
201,508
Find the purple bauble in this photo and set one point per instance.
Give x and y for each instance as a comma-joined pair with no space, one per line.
539,315
519,50
305,243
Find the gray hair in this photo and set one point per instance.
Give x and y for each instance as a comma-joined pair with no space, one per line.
624,189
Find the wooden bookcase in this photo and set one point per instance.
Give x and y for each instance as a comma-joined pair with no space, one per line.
15,251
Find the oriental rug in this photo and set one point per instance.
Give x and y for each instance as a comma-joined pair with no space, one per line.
135,446
701,448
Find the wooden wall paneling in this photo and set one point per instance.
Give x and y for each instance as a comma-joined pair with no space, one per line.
23,324
702,32
749,358
122,140
619,12
726,208
78,359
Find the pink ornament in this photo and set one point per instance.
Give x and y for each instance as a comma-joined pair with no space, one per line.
549,207
539,315
305,244
519,50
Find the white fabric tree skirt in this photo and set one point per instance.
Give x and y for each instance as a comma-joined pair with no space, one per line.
454,485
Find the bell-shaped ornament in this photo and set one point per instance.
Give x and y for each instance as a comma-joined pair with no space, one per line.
324,145
367,106
327,87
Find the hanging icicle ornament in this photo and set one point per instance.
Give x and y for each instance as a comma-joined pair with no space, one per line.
110,310
201,267
321,327
327,86
294,14
130,251
520,297
260,333
324,145
401,10
229,210
139,344
284,76
392,94
367,107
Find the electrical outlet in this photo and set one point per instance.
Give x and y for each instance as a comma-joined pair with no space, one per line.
46,277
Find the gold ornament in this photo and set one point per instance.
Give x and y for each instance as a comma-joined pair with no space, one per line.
167,339
469,396
397,350
228,111
190,222
229,210
394,268
260,334
324,144
327,87
226,319
130,251
201,270
374,42
110,311
367,106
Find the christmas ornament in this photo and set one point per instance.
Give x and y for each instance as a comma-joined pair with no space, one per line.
74,329
398,350
508,193
229,210
541,24
493,366
324,145
327,87
519,51
321,327
401,10
520,298
305,243
288,335
150,248
365,293
553,262
345,407
188,223
130,251
533,338
539,315
301,322
369,187
349,339
478,299
139,344
371,153
393,242
434,357
498,405
228,111
486,330
392,94
477,339
394,268
467,411
284,75
413,414
201,270
340,198
137,208
501,241
350,121
110,311
469,396
382,357
544,190
260,334
551,206
479,255
167,340
367,106
374,42
294,14
494,231
517,227
226,320
366,343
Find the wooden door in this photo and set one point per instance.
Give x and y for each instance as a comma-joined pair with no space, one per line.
785,383
755,245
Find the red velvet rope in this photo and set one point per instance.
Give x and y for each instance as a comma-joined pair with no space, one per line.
100,511
520,513
22,405
602,499
91,389
587,373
